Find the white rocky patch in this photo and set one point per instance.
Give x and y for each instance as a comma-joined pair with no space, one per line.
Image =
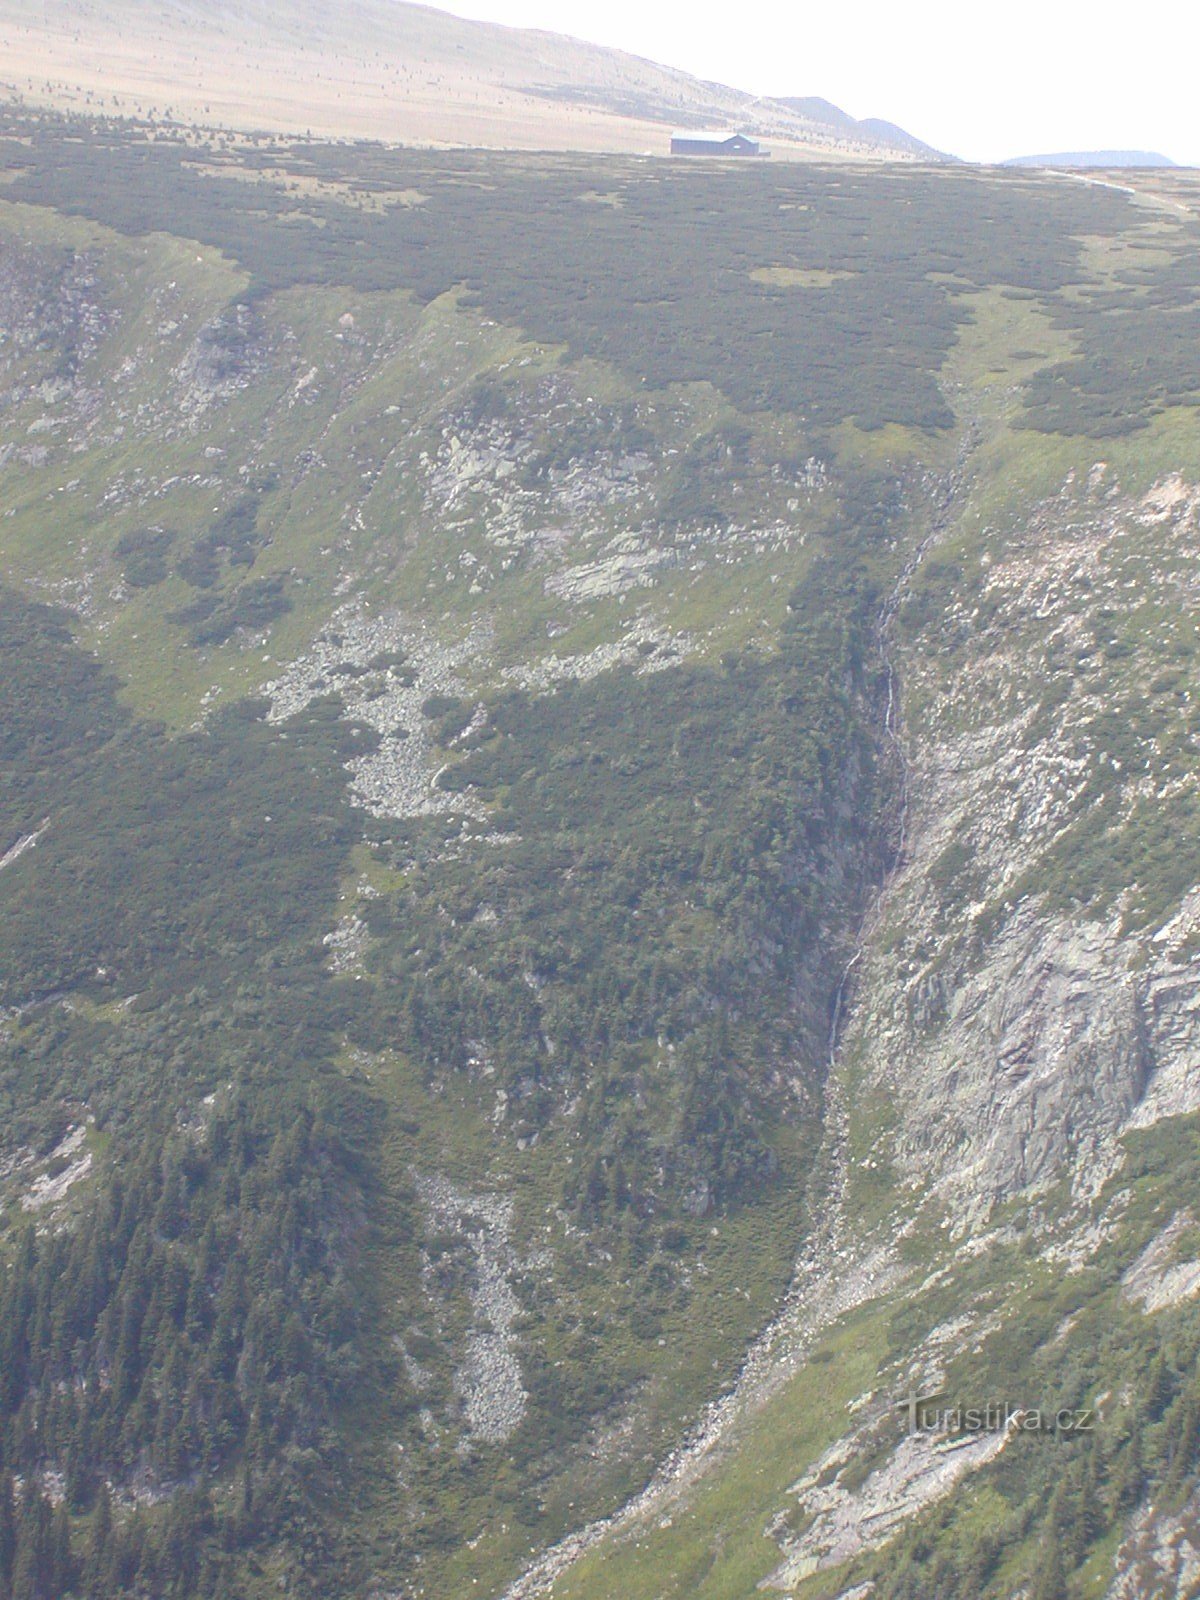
1170,500
1172,1003
475,474
489,1380
398,778
614,573
1157,1279
1159,1559
920,1471
50,1190
643,645
26,842
346,944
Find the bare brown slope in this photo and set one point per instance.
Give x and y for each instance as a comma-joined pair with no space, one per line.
383,69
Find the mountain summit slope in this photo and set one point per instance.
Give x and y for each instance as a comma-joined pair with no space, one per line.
389,70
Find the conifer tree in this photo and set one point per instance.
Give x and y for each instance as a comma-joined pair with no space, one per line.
1051,1582
8,1534
33,1566
97,1566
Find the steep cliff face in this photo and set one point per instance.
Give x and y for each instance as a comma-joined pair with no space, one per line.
1030,992
1021,1035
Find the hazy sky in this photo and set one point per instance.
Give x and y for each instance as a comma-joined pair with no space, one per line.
982,81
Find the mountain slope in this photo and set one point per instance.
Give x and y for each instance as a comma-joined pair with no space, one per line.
825,112
385,70
595,853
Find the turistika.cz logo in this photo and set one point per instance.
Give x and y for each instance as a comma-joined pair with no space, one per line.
926,1413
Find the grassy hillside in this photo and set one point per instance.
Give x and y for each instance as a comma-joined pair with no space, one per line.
454,610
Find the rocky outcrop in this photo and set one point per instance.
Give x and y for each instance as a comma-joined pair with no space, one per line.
1017,1032
27,841
67,1164
223,358
844,1521
1159,1278
1034,1059
1159,1558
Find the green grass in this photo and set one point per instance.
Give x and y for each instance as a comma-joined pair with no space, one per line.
714,1545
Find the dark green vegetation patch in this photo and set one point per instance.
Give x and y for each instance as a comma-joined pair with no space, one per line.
830,293
202,1323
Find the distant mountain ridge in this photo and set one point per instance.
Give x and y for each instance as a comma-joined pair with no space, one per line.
1094,158
824,111
390,70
